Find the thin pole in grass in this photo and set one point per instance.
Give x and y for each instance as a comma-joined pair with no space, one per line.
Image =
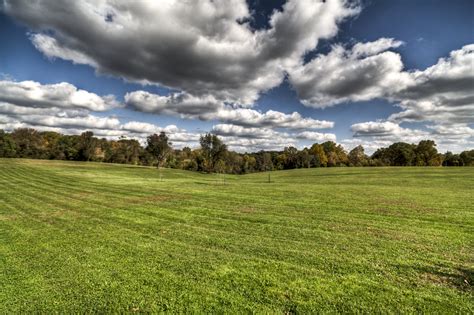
221,176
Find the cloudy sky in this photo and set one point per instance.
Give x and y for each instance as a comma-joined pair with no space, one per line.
260,74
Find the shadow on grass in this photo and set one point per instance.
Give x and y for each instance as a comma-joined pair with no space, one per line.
460,278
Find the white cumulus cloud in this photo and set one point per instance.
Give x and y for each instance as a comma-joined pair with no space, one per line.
201,47
365,72
60,95
208,108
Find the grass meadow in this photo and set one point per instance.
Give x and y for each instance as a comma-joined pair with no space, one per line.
90,237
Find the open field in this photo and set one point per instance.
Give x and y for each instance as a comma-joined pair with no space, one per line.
100,237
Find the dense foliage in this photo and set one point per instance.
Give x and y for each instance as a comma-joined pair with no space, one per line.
213,155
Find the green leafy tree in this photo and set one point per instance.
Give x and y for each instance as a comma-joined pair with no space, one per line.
87,146
68,146
291,154
213,155
159,147
249,164
266,162
451,159
381,157
7,145
304,158
467,158
320,157
50,140
357,156
28,143
401,154
336,155
126,151
213,150
342,159
426,154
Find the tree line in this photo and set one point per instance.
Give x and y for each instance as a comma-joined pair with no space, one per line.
213,155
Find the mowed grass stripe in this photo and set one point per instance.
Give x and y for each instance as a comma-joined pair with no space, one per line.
212,214
68,183
189,226
194,249
172,218
50,201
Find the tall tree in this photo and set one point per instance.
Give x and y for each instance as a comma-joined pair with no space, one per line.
213,150
426,154
336,155
7,145
357,156
249,164
304,158
68,146
401,154
451,159
28,143
213,154
291,154
320,157
467,157
159,147
87,146
381,157
50,140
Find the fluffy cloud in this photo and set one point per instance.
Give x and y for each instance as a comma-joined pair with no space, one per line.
14,110
316,136
362,73
375,134
370,145
219,64
275,119
107,127
143,127
71,121
240,144
56,108
209,108
254,139
453,130
201,47
182,104
236,137
229,130
66,109
85,122
384,129
61,95
443,93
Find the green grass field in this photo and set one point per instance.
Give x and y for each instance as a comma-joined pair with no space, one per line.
89,237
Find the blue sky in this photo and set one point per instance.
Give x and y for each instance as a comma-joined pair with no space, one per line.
429,30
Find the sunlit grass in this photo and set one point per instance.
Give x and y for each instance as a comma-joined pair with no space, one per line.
89,237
